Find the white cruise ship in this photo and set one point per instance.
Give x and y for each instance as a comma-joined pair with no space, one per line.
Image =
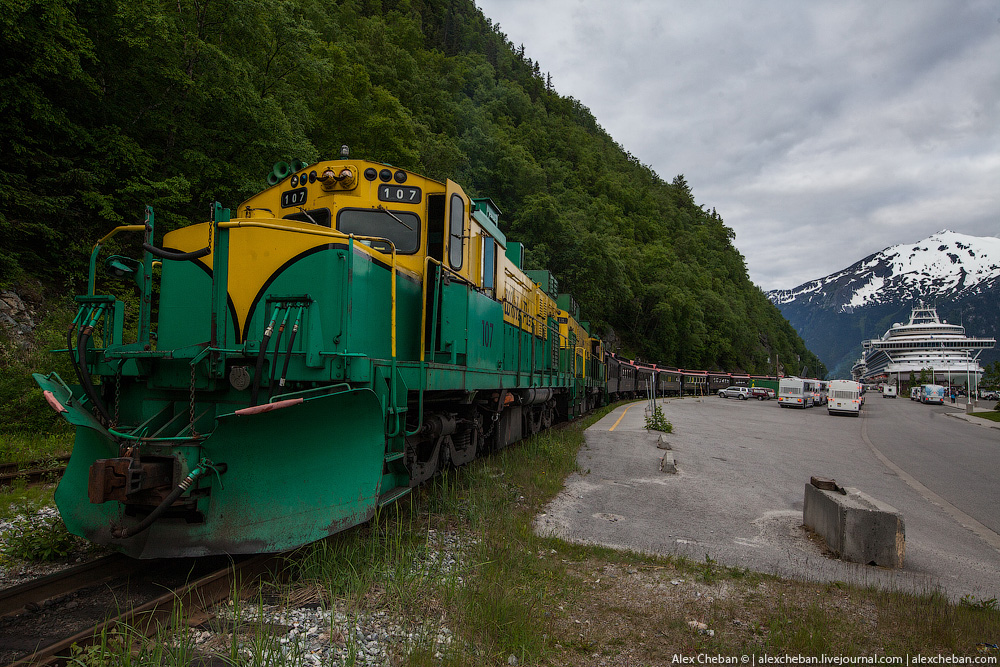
925,342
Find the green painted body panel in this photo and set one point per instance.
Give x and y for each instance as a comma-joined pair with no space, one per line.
485,324
185,306
92,522
770,384
453,333
294,476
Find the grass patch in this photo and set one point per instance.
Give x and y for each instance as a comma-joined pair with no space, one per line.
23,447
20,499
993,415
34,538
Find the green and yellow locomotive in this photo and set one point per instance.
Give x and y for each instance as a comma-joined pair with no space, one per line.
314,354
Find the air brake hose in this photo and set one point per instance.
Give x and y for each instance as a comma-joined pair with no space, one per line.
72,358
83,373
176,256
123,533
264,342
277,351
288,353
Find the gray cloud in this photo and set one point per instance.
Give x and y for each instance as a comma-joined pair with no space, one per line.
821,132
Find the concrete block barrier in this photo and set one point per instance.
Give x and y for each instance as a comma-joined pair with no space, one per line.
856,527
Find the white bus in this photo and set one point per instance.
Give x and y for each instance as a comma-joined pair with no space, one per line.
796,392
844,396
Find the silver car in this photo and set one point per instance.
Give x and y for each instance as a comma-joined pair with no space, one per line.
742,393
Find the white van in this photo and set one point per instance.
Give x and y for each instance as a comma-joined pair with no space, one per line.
932,393
889,391
844,396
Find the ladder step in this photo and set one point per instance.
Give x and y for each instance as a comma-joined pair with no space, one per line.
392,495
393,456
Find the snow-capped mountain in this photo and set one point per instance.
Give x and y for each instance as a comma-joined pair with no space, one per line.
959,274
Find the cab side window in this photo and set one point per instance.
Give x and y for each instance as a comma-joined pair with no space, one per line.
456,232
489,263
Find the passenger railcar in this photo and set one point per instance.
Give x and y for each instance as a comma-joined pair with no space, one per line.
694,383
718,381
670,381
624,384
613,370
315,354
740,380
644,375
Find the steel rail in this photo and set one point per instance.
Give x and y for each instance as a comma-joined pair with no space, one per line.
160,612
33,476
37,591
11,468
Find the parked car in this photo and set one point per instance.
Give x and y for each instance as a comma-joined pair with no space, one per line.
762,393
742,393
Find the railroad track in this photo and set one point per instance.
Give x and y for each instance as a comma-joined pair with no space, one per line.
41,619
34,472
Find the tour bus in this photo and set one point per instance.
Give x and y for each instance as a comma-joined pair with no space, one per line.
932,393
796,392
844,396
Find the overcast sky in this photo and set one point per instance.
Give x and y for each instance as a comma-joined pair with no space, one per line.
822,130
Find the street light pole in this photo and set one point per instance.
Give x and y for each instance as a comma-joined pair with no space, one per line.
968,380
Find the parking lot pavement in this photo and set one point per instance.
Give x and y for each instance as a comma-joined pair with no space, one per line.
737,496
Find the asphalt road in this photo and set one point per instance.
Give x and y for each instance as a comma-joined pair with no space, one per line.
962,465
742,468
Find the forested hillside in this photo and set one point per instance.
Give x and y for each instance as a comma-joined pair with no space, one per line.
109,105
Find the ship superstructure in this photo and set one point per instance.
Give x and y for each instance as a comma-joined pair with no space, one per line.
925,343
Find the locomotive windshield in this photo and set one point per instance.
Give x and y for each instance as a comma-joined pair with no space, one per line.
400,227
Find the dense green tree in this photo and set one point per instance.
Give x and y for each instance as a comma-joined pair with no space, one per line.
110,105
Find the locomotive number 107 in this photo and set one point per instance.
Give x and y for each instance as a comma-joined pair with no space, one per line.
399,193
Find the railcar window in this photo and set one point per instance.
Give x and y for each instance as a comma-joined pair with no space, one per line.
317,216
402,227
456,232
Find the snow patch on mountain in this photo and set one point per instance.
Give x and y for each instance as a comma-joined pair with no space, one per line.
944,265
867,292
